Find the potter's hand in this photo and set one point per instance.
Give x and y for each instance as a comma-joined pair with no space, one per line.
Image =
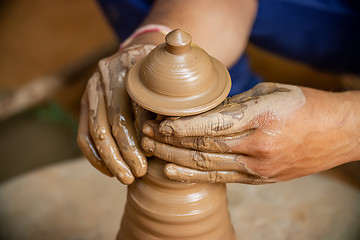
274,132
107,135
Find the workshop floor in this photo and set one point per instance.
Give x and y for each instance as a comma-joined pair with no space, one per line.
40,37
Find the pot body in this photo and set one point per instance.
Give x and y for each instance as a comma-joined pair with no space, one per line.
159,208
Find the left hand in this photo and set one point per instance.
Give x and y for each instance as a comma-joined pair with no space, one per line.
273,132
109,121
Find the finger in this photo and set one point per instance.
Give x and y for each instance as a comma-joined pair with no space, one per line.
120,116
183,174
221,144
223,120
101,133
129,146
85,142
141,116
126,137
195,159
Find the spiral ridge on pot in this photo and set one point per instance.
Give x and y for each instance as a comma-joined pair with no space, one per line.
178,78
159,208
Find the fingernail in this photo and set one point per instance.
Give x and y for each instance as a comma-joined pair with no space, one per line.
173,173
125,178
166,130
170,171
148,130
140,170
148,144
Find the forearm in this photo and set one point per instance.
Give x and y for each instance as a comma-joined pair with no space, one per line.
220,27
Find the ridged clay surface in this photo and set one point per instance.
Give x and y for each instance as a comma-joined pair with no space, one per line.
178,78
159,208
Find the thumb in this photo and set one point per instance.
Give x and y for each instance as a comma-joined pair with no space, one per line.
223,120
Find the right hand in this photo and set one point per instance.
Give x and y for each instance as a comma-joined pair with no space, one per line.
271,133
107,135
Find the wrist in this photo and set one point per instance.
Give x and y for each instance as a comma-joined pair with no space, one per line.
334,117
150,34
352,106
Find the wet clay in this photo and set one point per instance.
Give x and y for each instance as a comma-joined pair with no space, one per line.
176,79
159,208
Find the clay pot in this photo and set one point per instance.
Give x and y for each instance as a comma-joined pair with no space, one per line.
178,78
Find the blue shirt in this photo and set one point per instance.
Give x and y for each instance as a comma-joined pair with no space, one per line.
322,33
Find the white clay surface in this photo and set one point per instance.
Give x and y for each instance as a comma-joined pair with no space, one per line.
73,201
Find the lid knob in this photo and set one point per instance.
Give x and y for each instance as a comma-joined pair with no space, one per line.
178,41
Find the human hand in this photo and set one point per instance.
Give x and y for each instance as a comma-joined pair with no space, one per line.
274,132
107,135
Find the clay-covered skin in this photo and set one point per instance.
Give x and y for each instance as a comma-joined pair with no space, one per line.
107,135
274,132
256,108
158,208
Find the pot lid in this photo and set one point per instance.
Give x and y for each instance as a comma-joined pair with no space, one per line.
178,78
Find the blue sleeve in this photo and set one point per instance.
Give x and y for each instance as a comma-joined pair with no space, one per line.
323,34
125,15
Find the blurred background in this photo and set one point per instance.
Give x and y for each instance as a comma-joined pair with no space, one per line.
48,50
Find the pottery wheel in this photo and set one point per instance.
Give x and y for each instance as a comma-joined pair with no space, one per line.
73,201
